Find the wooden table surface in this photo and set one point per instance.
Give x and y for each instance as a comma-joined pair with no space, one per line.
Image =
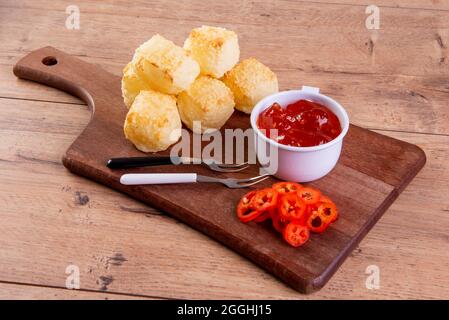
394,80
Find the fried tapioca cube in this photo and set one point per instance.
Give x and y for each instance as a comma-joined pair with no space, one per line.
165,66
250,81
152,123
132,84
208,101
215,49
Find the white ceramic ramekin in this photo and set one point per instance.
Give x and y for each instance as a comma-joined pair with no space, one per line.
301,164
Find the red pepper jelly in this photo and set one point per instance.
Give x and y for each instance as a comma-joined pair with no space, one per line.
301,124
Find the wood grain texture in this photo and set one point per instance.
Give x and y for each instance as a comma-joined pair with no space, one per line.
402,86
12,291
395,79
436,5
43,203
415,104
375,166
348,46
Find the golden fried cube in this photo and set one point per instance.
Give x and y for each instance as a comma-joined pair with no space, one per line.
250,81
165,66
132,84
209,101
152,123
215,49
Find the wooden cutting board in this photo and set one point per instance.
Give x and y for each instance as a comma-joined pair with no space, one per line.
372,171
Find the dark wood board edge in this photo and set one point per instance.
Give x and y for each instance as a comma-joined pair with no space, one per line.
419,164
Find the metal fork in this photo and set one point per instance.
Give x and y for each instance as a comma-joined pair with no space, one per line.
169,178
133,162
225,167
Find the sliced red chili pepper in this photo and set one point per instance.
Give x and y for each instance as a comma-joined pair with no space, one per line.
245,208
295,234
309,210
328,210
286,187
317,223
309,195
291,207
278,222
263,216
265,199
294,210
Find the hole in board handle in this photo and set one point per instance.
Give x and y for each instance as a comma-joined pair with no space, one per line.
50,61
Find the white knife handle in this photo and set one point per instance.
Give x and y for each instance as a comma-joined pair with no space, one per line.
157,178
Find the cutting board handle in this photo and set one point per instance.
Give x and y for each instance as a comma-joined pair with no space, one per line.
60,70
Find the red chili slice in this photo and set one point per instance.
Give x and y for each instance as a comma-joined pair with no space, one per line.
278,222
296,234
309,210
317,223
245,208
328,210
286,187
309,195
291,207
263,216
265,199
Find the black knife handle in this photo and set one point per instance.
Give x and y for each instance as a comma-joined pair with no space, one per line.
133,162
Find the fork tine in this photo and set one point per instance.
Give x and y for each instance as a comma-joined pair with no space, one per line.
233,165
226,167
254,182
243,183
230,170
264,176
236,183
